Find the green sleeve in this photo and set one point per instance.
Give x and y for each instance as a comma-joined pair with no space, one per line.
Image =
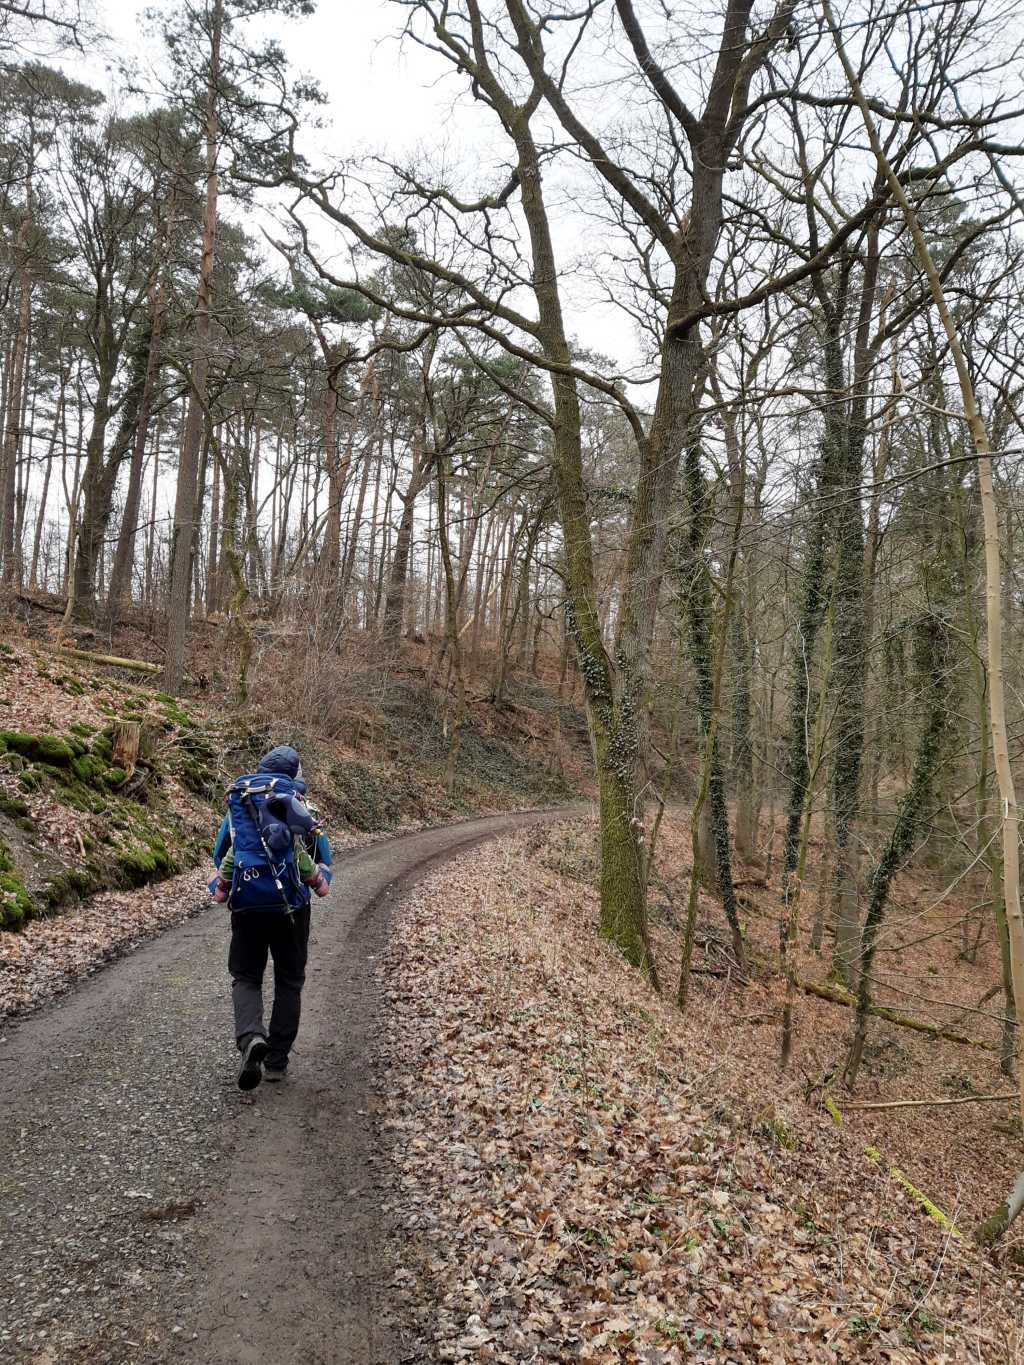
227,865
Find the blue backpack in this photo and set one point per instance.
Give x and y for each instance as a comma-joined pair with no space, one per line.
265,818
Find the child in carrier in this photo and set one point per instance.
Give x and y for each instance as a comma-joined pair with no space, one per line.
270,854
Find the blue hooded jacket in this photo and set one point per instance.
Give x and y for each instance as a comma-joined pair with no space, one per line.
284,760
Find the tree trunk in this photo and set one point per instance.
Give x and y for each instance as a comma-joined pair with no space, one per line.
458,717
708,680
124,555
183,535
18,367
394,602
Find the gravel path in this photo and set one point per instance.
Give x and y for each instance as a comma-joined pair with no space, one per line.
149,1212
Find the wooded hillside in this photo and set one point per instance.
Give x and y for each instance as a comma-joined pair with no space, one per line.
669,388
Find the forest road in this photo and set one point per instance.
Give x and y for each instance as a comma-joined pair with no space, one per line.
149,1211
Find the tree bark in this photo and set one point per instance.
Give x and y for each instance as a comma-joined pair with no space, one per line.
183,535
17,367
124,555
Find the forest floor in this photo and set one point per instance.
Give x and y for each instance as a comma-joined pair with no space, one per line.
587,1175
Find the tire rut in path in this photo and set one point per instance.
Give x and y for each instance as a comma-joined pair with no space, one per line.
119,1108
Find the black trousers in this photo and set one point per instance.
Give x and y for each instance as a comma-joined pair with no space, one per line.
254,934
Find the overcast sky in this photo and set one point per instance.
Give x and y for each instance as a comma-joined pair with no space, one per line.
383,96
378,92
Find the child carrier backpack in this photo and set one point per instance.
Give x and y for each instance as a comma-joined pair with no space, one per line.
265,817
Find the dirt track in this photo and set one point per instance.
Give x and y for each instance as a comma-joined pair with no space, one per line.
151,1213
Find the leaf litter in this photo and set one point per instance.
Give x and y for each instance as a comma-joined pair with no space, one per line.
582,1176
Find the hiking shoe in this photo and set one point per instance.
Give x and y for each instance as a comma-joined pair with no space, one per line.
275,1074
252,1063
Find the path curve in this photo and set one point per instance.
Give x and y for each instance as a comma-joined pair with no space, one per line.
149,1212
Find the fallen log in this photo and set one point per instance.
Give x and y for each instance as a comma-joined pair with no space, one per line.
923,1104
139,665
56,608
837,996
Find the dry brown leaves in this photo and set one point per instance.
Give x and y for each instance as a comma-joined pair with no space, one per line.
581,1179
50,954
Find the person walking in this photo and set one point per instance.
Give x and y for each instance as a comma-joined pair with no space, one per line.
271,855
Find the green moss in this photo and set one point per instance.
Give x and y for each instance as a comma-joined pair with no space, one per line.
16,905
17,742
13,806
39,748
72,885
66,683
140,863
82,730
79,797
114,777
50,749
102,748
179,717
197,766
89,769
31,779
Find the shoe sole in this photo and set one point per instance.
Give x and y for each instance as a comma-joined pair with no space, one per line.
275,1077
252,1068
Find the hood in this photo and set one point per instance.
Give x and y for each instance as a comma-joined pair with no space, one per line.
283,760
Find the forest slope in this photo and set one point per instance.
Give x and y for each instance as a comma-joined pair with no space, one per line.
84,844
589,1176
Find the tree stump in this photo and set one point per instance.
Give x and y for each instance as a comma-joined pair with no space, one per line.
149,738
125,744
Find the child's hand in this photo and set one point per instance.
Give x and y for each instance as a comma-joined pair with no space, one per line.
219,889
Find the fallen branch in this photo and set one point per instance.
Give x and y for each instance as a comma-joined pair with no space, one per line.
837,996
919,1197
972,1009
921,1104
139,665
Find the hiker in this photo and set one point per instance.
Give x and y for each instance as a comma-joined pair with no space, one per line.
271,855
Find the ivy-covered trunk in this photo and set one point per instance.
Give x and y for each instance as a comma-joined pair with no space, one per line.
814,602
933,642
613,693
850,637
849,677
699,617
743,784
